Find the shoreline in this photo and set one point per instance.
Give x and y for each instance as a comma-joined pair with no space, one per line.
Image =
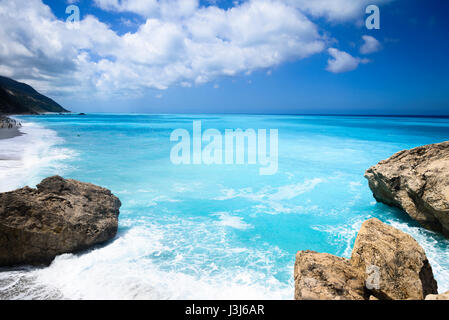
10,133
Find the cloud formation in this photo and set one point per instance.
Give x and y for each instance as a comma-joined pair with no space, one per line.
180,43
342,61
370,45
152,8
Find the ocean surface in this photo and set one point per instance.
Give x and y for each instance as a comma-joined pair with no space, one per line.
218,231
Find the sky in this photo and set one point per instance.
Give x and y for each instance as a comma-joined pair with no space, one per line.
221,56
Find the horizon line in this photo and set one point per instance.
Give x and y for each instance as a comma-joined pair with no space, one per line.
249,114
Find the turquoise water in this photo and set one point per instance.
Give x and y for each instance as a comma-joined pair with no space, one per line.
219,231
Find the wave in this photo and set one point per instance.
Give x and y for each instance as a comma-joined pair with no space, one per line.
435,246
147,262
28,158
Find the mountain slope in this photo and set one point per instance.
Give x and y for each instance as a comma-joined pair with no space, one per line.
20,98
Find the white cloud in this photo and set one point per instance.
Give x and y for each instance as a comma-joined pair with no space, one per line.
151,8
333,10
180,43
371,45
342,61
210,43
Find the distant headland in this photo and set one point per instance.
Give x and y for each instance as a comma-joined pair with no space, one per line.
20,98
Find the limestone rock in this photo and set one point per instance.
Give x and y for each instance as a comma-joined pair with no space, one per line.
321,276
416,181
397,261
386,264
60,216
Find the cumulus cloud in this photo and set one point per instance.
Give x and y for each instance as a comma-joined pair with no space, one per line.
371,45
333,10
209,43
342,61
151,8
179,43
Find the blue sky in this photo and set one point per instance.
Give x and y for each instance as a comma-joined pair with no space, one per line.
264,56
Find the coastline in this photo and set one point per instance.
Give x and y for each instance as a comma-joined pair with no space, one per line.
9,133
27,152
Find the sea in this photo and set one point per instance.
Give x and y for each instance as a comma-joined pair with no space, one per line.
212,231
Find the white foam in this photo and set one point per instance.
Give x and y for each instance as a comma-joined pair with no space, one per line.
232,221
435,247
273,200
26,157
289,192
342,236
155,261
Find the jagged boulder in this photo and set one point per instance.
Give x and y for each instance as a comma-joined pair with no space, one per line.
416,181
59,216
386,264
401,264
322,276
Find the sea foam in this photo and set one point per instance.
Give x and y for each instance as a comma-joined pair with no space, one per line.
26,158
146,262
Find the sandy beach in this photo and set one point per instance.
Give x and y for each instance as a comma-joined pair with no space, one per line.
9,133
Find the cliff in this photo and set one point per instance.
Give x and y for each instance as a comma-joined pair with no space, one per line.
20,98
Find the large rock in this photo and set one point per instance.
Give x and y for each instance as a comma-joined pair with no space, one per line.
385,264
60,216
401,264
443,296
416,181
321,276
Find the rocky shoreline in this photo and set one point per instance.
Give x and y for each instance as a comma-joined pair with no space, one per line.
416,181
8,123
386,263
